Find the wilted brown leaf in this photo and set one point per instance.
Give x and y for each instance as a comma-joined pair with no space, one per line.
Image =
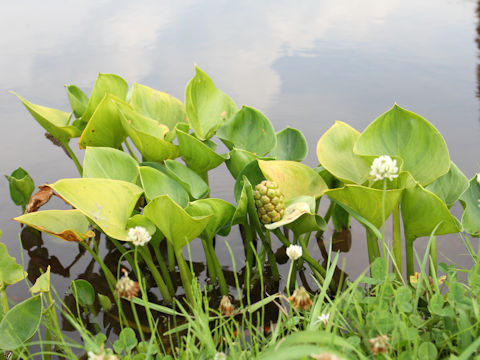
39,199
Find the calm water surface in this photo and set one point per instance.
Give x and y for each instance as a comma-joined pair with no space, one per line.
304,64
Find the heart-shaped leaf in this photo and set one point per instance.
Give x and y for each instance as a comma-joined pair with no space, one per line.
451,186
197,155
78,100
335,154
406,135
10,271
291,145
174,222
156,183
42,284
192,182
108,163
105,84
422,211
126,341
367,201
294,179
207,107
55,122
471,203
20,323
104,127
83,292
69,225
250,130
157,105
147,134
109,203
221,211
21,186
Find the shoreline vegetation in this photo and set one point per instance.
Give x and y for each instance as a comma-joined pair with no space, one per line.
144,189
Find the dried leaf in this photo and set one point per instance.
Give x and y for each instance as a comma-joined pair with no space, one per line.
39,199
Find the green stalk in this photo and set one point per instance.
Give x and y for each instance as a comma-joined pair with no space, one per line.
271,257
171,257
218,269
249,231
210,265
409,254
433,255
124,252
185,275
397,240
73,157
52,314
164,270
291,277
372,246
156,275
137,320
111,280
3,295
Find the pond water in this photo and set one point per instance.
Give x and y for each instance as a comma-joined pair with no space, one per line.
304,64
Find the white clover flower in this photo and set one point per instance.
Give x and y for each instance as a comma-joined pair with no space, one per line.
384,167
220,356
126,287
294,252
138,235
323,319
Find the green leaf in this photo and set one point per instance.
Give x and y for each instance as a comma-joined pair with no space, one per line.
427,350
126,341
192,182
293,178
238,159
83,292
10,272
42,284
78,100
156,183
141,220
251,172
471,204
379,269
109,203
451,186
20,323
157,105
291,145
422,211
239,217
108,163
174,222
221,215
197,155
207,107
104,127
105,302
55,122
147,134
406,135
21,186
105,84
436,304
367,201
335,154
248,129
69,225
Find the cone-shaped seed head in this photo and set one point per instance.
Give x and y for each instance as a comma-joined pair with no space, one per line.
269,201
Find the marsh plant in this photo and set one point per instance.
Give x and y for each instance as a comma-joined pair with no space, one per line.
144,184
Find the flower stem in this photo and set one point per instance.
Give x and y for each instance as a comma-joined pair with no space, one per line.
73,157
409,239
164,270
372,245
185,275
156,274
397,240
218,269
210,265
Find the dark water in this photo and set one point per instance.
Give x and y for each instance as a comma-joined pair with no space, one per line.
304,65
